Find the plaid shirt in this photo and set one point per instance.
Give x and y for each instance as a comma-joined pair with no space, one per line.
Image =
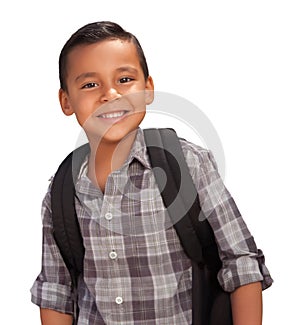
135,271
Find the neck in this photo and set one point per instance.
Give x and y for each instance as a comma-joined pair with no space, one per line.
107,157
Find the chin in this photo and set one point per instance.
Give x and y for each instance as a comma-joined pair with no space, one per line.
123,129
116,135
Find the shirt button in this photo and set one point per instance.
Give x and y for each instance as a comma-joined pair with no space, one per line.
113,255
119,300
108,216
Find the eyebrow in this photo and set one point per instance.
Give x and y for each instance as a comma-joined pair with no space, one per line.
127,68
94,74
86,75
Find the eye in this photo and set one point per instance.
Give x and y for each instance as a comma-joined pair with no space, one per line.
90,85
125,80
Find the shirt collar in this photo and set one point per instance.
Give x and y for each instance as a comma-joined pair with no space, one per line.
138,151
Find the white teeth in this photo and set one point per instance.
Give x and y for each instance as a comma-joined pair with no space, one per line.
112,115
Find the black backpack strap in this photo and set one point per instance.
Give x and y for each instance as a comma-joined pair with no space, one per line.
66,230
162,157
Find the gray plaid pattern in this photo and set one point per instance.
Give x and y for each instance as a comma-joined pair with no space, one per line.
135,271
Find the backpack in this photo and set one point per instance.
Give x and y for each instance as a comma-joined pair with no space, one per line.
210,303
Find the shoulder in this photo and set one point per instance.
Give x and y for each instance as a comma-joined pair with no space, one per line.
196,156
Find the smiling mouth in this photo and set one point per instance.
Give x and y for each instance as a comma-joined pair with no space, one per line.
113,115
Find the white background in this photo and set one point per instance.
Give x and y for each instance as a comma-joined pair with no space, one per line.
238,61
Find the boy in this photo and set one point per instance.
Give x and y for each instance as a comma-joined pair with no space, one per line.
135,270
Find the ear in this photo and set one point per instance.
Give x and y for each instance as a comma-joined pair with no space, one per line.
149,91
65,103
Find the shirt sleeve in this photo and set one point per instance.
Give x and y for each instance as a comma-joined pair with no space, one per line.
242,262
52,288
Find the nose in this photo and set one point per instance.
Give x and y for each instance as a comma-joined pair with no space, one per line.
109,93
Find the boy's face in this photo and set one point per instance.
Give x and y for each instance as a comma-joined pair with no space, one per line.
107,89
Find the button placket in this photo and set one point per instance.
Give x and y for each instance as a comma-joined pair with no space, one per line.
108,216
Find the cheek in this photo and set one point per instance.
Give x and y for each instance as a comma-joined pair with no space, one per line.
83,110
137,100
83,115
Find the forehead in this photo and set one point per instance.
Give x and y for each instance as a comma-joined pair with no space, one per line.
104,54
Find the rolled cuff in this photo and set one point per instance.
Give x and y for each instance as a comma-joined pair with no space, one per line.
245,270
52,296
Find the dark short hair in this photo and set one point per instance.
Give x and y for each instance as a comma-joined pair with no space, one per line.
93,33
